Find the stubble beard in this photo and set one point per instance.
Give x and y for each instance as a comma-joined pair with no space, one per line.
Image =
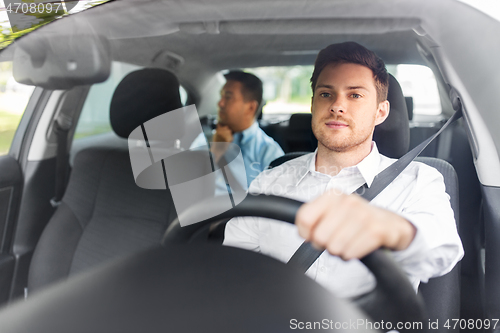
339,143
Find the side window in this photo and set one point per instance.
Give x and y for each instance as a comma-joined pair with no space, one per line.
419,83
94,118
13,100
286,89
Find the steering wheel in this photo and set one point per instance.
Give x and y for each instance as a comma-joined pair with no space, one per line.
393,299
210,288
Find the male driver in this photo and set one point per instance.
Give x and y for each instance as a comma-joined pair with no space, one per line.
240,99
412,216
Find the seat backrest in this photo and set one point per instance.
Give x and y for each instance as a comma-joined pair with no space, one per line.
103,213
441,294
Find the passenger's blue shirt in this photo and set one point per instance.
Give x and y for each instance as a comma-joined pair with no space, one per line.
258,149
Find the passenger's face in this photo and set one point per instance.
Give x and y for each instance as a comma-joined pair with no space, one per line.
345,108
232,106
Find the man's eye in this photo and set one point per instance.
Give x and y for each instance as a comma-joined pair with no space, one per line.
356,96
325,94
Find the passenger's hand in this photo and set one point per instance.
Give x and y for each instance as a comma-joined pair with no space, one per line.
349,227
223,134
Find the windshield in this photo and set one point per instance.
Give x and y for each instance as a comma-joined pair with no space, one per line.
19,17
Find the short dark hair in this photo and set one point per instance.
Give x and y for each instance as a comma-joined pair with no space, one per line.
351,52
251,85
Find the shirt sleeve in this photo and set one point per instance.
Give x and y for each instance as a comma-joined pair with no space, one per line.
243,232
437,247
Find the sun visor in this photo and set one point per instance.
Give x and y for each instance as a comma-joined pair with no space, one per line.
54,61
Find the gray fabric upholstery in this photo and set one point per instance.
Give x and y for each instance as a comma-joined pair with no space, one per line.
442,294
103,215
54,253
393,135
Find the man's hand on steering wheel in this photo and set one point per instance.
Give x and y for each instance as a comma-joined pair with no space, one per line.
349,227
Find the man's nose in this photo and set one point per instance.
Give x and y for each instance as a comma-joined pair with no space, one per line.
338,105
220,104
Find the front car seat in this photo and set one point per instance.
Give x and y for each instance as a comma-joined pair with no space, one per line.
103,213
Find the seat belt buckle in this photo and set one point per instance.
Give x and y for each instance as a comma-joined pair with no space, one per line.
55,203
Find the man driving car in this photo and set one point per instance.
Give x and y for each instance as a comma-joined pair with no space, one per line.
412,216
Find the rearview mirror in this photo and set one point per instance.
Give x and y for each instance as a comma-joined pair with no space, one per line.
54,61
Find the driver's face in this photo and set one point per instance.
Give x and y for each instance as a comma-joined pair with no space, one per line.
345,108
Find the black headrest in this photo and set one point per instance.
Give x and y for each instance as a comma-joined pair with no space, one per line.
143,95
393,135
300,121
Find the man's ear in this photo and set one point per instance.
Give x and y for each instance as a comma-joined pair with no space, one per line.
252,107
382,112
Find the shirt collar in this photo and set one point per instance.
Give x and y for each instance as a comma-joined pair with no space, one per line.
368,167
247,134
310,166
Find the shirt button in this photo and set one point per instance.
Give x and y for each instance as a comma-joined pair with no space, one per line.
323,269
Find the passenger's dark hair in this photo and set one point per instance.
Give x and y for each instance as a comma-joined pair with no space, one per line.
351,52
251,85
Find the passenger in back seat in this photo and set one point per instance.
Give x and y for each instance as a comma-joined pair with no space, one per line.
238,105
412,216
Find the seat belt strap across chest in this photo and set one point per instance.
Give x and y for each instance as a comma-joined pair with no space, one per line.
306,254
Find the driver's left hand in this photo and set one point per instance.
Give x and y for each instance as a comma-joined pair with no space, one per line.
349,227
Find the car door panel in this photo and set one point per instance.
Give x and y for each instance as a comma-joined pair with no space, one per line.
34,214
18,190
11,182
491,209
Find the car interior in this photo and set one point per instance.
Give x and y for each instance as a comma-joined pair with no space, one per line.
69,204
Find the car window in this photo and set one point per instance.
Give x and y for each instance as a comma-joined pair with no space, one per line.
94,118
418,82
288,89
13,100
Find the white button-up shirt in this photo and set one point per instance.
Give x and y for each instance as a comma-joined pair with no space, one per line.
417,194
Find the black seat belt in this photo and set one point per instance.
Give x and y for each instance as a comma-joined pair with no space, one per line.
72,102
62,125
306,254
